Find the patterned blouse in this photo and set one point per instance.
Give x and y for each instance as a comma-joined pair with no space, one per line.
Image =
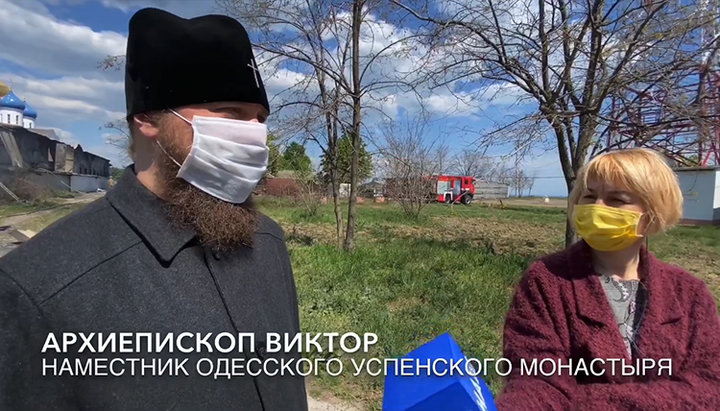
625,301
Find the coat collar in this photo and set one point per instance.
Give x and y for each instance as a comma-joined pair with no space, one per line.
145,213
591,301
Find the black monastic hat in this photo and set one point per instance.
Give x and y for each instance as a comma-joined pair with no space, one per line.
172,61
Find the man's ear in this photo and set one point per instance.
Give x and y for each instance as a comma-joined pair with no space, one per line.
146,125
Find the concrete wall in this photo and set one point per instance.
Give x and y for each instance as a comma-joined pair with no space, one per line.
64,155
59,182
701,195
90,164
344,190
490,190
87,184
37,151
10,156
716,202
56,182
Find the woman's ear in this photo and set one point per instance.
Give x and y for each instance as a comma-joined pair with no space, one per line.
646,223
146,125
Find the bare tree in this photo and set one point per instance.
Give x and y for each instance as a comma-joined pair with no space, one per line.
409,164
312,35
530,183
120,138
569,58
472,163
521,183
442,157
308,192
333,40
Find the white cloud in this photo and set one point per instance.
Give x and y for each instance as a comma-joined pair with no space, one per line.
67,99
33,39
79,91
452,105
95,90
183,8
502,94
281,80
71,109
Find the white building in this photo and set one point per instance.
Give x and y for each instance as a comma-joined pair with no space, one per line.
14,111
29,116
701,194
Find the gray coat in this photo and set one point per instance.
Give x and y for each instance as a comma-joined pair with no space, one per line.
118,265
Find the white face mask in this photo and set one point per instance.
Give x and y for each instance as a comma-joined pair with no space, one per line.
227,158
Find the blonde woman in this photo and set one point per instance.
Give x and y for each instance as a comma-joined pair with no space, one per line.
607,300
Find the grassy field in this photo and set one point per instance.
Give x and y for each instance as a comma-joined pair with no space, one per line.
12,209
35,216
454,270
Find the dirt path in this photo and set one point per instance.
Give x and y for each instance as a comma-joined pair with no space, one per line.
324,405
21,218
536,202
26,222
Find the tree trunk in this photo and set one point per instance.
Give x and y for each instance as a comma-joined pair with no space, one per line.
357,21
332,136
588,124
338,212
570,234
331,125
332,150
569,170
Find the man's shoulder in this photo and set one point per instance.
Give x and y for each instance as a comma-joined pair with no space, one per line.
68,248
269,227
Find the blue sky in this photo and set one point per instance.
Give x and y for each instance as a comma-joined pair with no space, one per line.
49,55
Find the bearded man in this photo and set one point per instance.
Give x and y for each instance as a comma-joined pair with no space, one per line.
175,249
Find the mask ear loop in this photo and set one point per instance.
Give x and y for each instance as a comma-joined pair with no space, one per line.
167,154
178,114
163,148
647,237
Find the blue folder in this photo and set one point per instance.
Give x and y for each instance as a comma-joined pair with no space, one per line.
422,392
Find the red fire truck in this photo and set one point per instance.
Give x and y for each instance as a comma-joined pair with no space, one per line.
455,189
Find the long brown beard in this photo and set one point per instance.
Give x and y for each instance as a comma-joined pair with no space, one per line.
218,224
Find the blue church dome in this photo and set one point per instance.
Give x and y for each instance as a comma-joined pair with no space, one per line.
12,101
29,111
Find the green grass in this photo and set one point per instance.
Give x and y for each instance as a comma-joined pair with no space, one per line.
454,270
407,293
706,236
10,209
64,194
508,213
38,223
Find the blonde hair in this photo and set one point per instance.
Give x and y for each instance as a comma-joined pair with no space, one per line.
643,172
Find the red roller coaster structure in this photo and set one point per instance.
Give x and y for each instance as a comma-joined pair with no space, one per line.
656,118
681,116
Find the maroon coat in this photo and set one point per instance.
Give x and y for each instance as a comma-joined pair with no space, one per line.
560,311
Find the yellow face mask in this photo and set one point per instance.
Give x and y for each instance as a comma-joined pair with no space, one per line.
606,228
